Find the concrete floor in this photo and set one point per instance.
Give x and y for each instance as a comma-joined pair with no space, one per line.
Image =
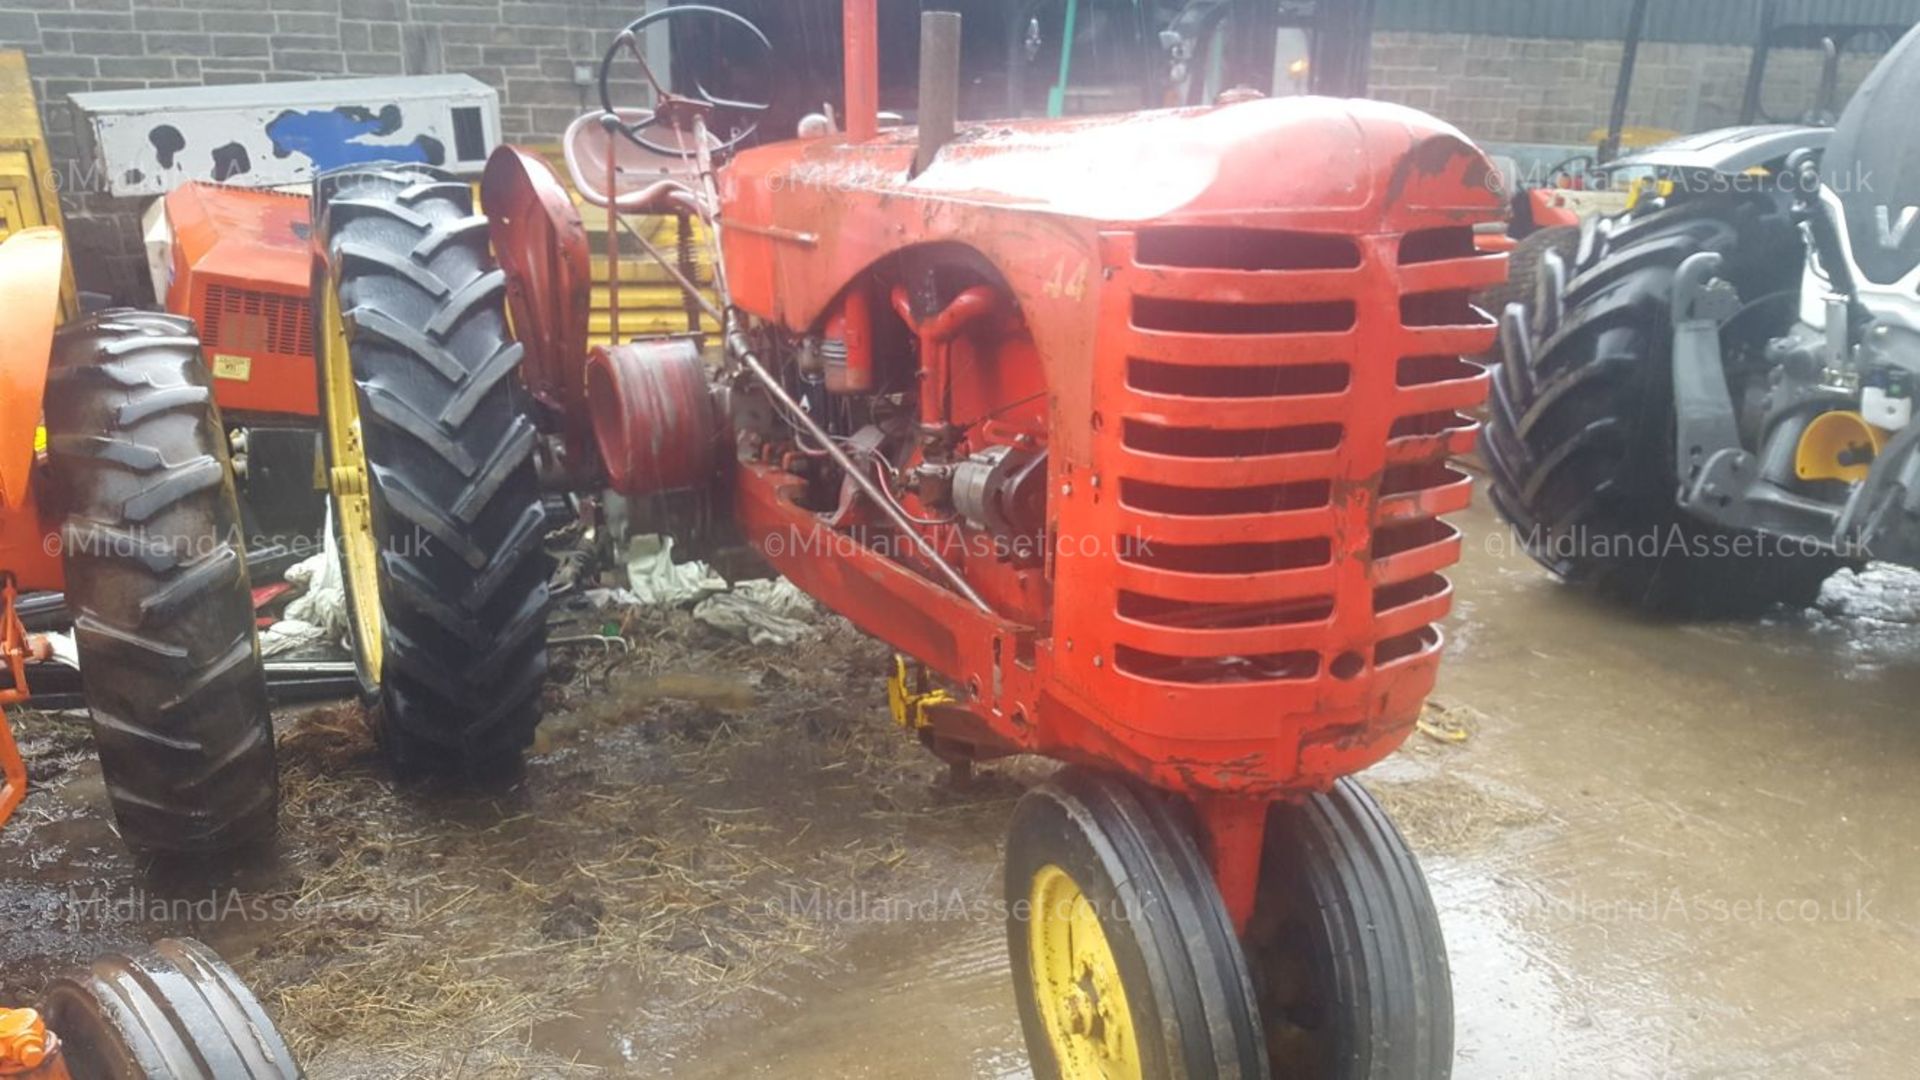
1664,851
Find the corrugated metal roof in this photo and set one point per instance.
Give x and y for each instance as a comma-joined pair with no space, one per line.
1726,21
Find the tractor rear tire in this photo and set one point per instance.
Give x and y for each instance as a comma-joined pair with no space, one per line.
1345,946
174,1010
448,441
1523,265
1580,439
157,581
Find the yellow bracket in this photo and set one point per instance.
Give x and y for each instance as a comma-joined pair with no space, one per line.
1838,445
909,707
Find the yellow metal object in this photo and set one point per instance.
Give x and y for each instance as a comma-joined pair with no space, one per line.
1635,136
1838,446
650,301
25,1042
1642,185
352,491
909,707
29,185
1077,983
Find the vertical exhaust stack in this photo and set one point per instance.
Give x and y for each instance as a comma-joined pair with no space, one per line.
939,84
861,27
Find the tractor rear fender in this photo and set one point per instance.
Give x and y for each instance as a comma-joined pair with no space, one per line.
1730,151
544,250
31,264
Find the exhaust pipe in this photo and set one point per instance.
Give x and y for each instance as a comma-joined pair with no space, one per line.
939,85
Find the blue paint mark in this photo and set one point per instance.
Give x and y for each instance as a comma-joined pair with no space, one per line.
330,138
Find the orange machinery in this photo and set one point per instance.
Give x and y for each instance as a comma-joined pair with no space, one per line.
238,268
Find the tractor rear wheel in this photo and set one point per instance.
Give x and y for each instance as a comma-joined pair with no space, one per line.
1125,963
1580,439
1523,265
157,581
430,445
1345,946
173,1011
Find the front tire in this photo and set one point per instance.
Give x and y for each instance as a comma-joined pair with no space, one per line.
1124,960
157,581
1345,946
1580,438
430,443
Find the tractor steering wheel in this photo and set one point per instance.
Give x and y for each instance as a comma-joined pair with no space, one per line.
671,110
1574,168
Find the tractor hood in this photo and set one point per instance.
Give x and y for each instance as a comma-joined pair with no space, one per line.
1297,163
31,264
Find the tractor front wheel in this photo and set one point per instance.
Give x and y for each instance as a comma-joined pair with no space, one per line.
430,444
1345,946
1124,959
172,1011
1126,964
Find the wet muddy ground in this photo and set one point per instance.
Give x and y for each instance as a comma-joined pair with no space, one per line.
1658,850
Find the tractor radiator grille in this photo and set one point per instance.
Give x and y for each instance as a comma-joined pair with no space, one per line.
252,323
1277,443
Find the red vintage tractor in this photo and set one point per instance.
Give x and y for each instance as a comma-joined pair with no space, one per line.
1131,432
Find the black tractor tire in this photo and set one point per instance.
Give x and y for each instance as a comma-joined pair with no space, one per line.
1523,266
157,582
449,441
1345,946
174,1011
1580,437
1181,969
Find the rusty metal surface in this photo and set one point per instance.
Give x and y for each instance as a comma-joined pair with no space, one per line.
546,254
14,654
654,419
860,21
1310,662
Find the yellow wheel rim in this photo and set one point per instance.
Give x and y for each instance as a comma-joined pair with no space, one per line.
1077,984
347,476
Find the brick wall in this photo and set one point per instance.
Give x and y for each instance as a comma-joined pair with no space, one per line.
527,49
1560,91
1496,88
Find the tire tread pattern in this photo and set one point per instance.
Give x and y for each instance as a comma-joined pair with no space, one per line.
1336,863
1579,443
156,578
170,1010
450,445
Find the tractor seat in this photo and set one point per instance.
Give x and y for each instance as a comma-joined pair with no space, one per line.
639,173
